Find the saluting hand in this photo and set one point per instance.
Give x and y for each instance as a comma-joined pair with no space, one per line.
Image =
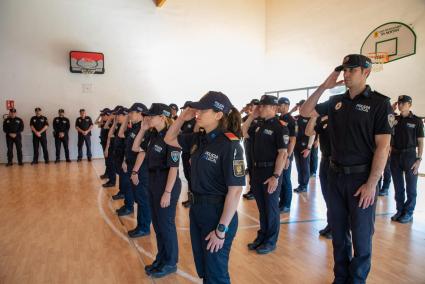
214,243
165,199
272,184
188,114
367,195
331,81
415,167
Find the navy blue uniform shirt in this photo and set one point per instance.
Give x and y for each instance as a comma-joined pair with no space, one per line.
38,122
84,123
160,156
407,130
302,139
13,125
321,129
60,124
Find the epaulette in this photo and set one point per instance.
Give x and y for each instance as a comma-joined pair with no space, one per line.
380,95
231,136
283,123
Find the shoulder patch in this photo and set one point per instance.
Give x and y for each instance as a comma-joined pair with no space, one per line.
231,136
283,123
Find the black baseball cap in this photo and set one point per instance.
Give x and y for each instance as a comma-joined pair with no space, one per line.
216,101
284,100
117,108
354,60
268,100
158,109
174,106
37,109
254,102
105,110
300,102
404,99
139,107
61,110
122,111
12,110
186,104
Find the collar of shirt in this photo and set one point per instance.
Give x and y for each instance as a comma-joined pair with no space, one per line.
367,92
410,115
209,137
270,120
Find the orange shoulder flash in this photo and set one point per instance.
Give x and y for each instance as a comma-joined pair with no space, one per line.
231,136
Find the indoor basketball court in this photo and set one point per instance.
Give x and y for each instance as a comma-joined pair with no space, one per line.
59,223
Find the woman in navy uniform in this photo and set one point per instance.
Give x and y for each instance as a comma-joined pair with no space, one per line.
218,174
319,126
61,127
164,187
39,125
270,138
405,160
13,127
360,128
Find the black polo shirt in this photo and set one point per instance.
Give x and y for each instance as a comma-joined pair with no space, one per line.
322,132
130,156
84,123
290,123
267,137
159,155
60,124
407,130
13,125
302,139
353,124
217,161
38,122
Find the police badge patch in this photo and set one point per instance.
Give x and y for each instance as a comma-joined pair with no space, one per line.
286,139
175,156
391,120
338,106
238,168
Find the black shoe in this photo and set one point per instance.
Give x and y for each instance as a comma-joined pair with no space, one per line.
79,160
249,195
284,209
187,203
137,233
265,248
118,196
89,159
104,176
163,271
20,163
396,216
68,161
254,245
151,267
108,184
325,230
57,161
46,162
383,192
124,211
405,218
9,164
34,162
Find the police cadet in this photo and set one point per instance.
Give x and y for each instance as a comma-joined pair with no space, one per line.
314,157
61,127
138,172
13,127
164,188
218,174
84,125
187,128
39,125
248,149
405,160
270,139
385,180
360,126
104,123
286,189
302,152
174,111
110,155
319,127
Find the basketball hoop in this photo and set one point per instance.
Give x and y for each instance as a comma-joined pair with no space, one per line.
378,60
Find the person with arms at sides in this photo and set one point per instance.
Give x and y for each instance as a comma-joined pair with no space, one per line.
39,125
61,126
13,127
84,125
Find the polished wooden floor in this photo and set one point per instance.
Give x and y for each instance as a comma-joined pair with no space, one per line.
57,225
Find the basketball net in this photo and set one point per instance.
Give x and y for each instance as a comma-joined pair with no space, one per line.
378,60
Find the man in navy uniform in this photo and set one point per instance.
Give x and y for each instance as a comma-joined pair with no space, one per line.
39,125
286,191
405,160
84,125
61,127
360,126
13,127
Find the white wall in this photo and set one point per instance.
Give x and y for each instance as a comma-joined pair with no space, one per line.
307,39
165,55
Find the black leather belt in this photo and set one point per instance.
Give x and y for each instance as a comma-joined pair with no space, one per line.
396,151
206,199
348,170
264,164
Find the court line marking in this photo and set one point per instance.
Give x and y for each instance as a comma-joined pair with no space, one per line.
131,242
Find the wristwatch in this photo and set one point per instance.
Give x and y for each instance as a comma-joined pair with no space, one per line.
418,159
222,228
134,173
276,176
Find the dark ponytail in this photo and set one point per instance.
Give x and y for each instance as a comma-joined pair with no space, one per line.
232,122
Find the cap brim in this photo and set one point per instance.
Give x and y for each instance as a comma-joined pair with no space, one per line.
199,105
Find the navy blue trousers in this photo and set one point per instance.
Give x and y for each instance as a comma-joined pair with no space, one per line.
303,168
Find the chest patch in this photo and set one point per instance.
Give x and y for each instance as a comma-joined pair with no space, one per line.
411,125
157,148
363,108
211,157
132,135
268,131
338,106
